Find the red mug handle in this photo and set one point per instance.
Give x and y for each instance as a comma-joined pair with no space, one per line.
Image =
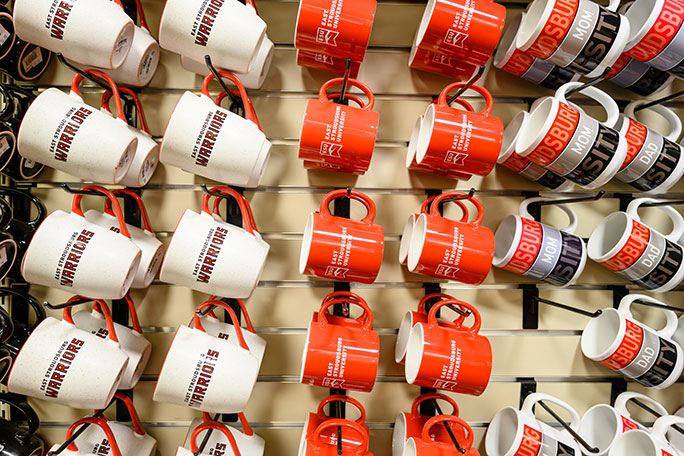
421,308
248,106
349,296
474,329
444,197
76,207
131,310
489,101
242,204
323,97
107,96
141,15
428,396
341,398
243,309
128,403
231,313
459,203
353,194
66,316
217,427
449,419
102,423
351,425
139,202
76,82
246,207
250,114
245,424
366,319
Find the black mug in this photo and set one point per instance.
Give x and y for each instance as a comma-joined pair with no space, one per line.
8,246
12,164
6,360
7,33
17,101
22,231
18,438
22,330
25,61
6,327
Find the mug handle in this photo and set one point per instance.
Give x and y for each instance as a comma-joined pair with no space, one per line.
663,424
33,303
613,5
249,105
353,194
341,398
102,423
323,97
20,404
670,317
247,218
76,82
423,302
66,316
349,96
672,118
231,313
428,396
141,206
676,217
135,323
76,207
536,397
466,445
473,330
570,229
351,425
245,424
216,426
141,15
128,403
41,210
426,204
6,112
366,319
612,110
250,114
107,96
623,398
216,210
489,101
444,197
347,295
243,309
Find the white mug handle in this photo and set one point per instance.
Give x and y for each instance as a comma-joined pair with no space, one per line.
672,118
623,398
676,217
671,317
663,424
570,229
613,5
536,397
605,100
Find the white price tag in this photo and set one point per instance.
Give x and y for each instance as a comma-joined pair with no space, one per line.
32,59
4,35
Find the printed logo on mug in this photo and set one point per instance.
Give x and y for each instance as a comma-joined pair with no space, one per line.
644,256
654,162
339,248
450,249
339,135
326,63
449,356
248,443
329,335
618,341
442,64
533,249
571,143
207,140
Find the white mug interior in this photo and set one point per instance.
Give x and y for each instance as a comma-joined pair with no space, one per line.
502,432
505,240
600,336
600,427
537,125
634,443
609,236
399,435
414,352
306,243
533,23
403,337
507,46
641,15
510,136
413,142
406,239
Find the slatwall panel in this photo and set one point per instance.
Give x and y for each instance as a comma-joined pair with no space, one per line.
284,301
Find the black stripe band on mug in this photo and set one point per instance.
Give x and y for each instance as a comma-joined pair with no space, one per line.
668,266
662,168
554,447
578,35
599,42
648,259
582,141
557,77
537,71
664,363
551,180
549,252
598,158
631,73
569,261
651,82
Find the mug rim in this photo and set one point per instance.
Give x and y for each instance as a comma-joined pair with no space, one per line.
307,241
405,242
425,22
525,38
601,355
417,242
638,34
598,235
585,426
502,261
507,43
528,141
513,129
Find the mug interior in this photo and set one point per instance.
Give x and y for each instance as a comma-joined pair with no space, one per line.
506,46
639,16
306,244
510,136
413,142
502,432
599,426
425,21
504,240
410,448
536,126
399,435
414,352
608,236
600,334
406,239
425,133
534,21
403,337
636,443
416,243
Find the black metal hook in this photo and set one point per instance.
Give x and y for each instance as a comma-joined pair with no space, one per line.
470,194
580,199
64,305
206,438
92,79
345,83
659,306
567,307
654,413
572,432
428,305
589,83
75,435
236,104
79,191
663,203
659,101
448,428
470,82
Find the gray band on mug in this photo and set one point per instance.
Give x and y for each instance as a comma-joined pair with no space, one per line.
579,33
667,268
646,356
644,159
663,365
649,258
578,147
600,42
631,73
673,53
549,252
537,71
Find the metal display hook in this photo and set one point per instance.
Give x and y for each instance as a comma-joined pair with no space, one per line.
664,203
659,306
589,83
580,199
567,307
448,428
345,82
659,101
570,430
235,102
654,413
92,79
470,82
64,305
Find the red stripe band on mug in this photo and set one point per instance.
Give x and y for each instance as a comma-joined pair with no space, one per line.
634,247
618,66
557,138
530,444
556,28
516,163
599,43
662,32
663,167
518,63
528,248
668,267
628,425
636,137
596,161
628,349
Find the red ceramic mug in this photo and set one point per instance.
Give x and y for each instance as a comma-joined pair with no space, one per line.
458,140
451,249
339,248
336,134
466,29
318,446
426,446
314,420
325,62
341,353
448,356
336,28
